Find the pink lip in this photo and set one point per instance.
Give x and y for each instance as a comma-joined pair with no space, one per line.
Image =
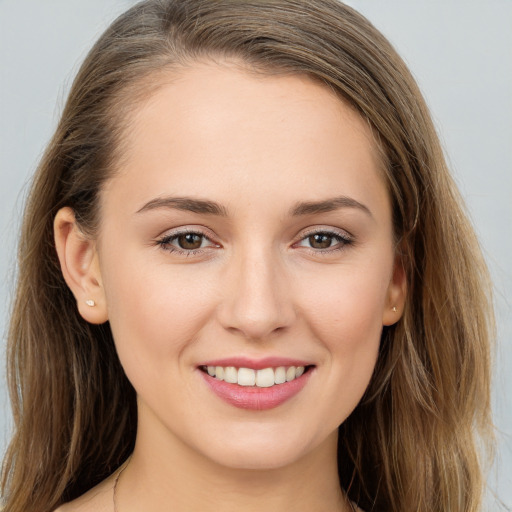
252,397
256,364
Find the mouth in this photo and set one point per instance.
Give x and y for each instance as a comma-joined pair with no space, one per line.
261,388
260,378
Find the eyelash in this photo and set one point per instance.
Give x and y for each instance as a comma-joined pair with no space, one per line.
343,240
166,243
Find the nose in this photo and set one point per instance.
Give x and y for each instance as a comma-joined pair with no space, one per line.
257,300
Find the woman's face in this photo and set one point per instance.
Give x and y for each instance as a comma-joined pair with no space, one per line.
248,227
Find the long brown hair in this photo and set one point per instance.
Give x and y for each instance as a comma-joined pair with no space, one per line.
413,443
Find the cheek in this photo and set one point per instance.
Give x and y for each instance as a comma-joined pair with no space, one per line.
154,313
344,312
345,307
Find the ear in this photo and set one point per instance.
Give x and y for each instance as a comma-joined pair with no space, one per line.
396,294
80,267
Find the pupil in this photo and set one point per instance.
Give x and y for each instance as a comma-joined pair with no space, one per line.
190,241
320,241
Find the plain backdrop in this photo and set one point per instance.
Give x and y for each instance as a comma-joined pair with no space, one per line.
460,51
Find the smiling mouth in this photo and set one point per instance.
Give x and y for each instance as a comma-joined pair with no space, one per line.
262,378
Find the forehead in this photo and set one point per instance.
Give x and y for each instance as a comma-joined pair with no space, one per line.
213,124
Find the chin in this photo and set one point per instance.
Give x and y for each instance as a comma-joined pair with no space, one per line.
255,459
266,451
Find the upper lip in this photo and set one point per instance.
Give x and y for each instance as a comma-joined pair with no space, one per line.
256,364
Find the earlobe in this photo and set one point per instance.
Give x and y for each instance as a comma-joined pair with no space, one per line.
397,292
80,267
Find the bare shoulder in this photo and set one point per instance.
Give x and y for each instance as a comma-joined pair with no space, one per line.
98,499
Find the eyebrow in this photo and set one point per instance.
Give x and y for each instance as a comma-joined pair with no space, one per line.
328,205
186,204
212,208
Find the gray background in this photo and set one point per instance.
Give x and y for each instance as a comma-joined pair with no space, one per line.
459,50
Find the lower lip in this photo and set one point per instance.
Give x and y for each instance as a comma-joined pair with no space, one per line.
254,398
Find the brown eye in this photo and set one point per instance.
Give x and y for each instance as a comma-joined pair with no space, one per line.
325,242
189,241
320,240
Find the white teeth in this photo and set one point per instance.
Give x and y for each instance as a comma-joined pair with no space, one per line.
263,378
290,373
280,375
231,374
246,377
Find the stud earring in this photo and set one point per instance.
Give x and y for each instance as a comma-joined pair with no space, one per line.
394,309
90,303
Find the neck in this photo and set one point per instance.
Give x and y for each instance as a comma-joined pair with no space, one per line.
162,472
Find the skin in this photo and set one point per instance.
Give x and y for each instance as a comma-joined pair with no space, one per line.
259,286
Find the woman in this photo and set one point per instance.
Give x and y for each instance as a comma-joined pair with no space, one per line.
246,279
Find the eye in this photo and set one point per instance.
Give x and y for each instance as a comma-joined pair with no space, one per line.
186,242
325,241
190,241
321,240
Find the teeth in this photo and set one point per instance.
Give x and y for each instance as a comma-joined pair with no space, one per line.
263,378
231,374
246,377
280,375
